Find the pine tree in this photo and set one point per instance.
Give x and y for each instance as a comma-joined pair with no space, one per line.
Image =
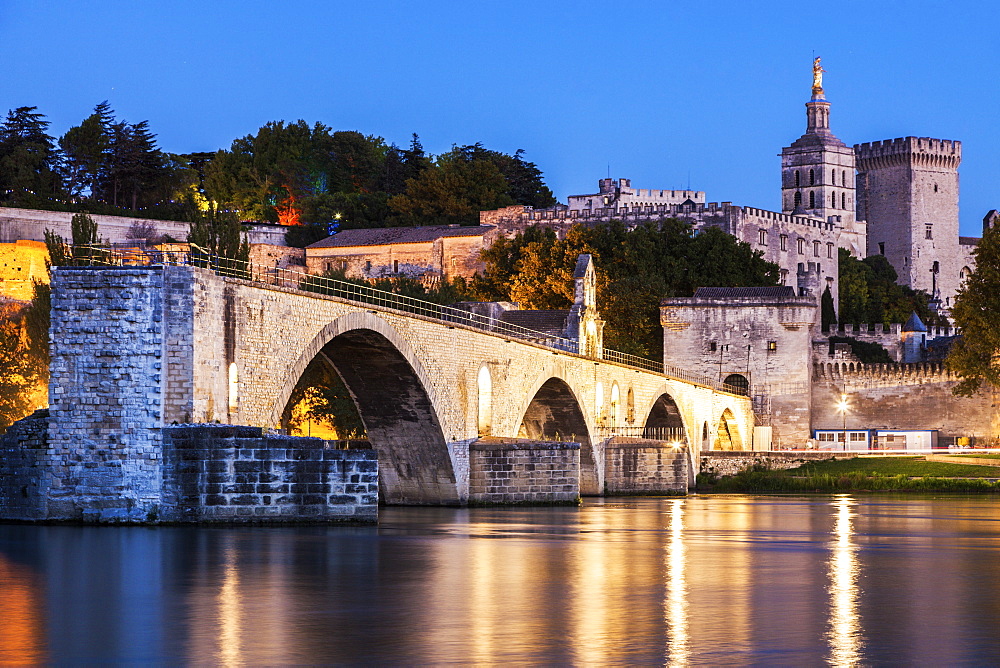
28,158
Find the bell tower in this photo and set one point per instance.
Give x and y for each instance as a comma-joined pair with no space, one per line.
817,170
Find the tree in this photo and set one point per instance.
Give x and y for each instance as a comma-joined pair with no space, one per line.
84,148
221,233
18,372
28,159
453,192
976,312
869,293
636,268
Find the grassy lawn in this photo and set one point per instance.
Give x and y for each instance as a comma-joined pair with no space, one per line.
872,474
982,455
908,466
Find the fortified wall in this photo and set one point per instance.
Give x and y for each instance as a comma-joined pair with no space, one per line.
899,396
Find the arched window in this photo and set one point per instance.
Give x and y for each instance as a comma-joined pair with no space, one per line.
812,199
796,178
833,200
599,399
737,383
843,200
798,199
843,177
812,177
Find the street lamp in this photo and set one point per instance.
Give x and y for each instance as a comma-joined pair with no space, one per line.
842,406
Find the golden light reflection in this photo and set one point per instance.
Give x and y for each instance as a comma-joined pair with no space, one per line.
676,605
230,622
844,633
22,632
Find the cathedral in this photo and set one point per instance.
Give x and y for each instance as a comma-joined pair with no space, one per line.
896,197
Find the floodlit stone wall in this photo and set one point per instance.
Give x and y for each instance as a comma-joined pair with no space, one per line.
900,396
635,465
511,471
21,265
222,473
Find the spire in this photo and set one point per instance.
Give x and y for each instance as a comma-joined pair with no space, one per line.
817,109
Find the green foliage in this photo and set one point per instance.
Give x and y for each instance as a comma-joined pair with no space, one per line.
328,400
18,371
884,474
28,159
635,270
868,352
300,236
976,312
221,233
869,293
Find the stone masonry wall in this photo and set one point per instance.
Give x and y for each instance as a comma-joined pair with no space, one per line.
105,394
504,470
638,465
731,463
223,473
22,477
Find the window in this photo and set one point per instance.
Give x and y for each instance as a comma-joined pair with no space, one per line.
812,199
927,232
881,248
798,199
816,246
784,242
843,200
395,266
827,436
829,250
833,200
368,265
802,246
762,237
784,276
713,346
772,346
796,178
843,178
812,177
857,436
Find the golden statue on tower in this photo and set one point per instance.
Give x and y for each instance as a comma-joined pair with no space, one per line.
817,77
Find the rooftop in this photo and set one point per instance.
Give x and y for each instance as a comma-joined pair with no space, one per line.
399,235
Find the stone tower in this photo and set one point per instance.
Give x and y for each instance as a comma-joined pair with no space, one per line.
908,193
817,170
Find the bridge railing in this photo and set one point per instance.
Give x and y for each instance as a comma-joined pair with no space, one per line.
358,292
675,435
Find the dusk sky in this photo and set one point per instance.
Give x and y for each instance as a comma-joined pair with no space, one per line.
667,94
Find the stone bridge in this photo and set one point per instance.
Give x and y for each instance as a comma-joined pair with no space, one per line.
138,348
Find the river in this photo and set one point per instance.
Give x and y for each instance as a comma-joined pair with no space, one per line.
771,580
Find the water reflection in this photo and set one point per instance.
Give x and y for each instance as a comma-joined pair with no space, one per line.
696,581
22,631
844,634
676,600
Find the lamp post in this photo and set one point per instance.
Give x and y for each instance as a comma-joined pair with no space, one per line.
842,406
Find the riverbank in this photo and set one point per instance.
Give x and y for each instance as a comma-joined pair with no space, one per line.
861,474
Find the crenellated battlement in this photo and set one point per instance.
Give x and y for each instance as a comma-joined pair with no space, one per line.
529,215
946,153
916,373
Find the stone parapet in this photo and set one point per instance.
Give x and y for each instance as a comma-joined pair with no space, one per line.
512,471
731,463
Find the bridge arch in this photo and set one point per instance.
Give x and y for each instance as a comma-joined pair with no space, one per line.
664,419
396,401
554,411
727,434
